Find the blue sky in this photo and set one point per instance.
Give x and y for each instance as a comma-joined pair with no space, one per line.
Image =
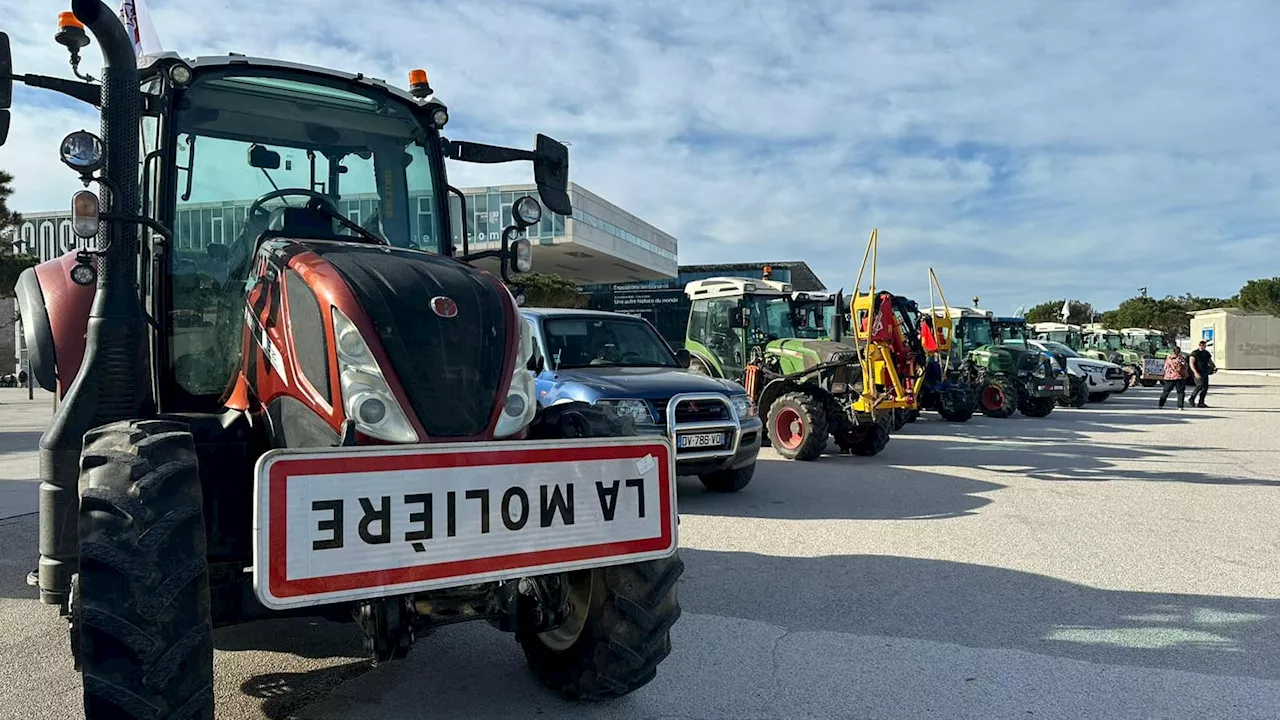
1027,151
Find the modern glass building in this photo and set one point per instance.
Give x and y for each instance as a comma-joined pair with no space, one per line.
600,243
664,304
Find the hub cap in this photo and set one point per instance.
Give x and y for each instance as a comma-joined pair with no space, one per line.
562,638
992,397
788,429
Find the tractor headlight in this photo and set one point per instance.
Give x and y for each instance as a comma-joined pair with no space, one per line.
366,397
743,406
637,410
521,403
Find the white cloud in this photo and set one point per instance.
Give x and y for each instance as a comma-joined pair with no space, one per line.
1026,151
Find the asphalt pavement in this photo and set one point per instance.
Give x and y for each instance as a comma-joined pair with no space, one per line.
1116,561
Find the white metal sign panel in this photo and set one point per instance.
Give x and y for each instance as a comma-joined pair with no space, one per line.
341,524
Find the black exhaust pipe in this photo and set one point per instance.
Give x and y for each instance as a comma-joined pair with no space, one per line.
108,387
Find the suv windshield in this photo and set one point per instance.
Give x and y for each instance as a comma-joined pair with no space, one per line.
361,153
1058,347
591,341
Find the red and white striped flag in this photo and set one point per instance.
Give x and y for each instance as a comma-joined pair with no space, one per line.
137,22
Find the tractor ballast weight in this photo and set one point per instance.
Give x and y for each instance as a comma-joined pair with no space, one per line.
201,382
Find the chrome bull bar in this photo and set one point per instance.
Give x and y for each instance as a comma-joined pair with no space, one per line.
732,426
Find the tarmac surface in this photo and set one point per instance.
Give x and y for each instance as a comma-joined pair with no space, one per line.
1116,561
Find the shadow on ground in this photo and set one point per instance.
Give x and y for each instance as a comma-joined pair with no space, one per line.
986,607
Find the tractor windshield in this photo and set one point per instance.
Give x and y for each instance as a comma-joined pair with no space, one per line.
1012,334
1108,342
817,319
245,148
771,317
974,332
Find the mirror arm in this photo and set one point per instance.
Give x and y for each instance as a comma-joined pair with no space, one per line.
473,152
85,92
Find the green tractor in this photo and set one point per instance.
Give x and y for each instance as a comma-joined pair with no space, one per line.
1153,347
807,386
1005,376
1101,343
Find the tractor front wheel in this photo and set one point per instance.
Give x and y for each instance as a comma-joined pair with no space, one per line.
868,440
140,616
955,409
1037,407
620,617
1079,393
1099,397
997,398
798,427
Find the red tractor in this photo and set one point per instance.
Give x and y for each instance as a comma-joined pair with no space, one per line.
284,389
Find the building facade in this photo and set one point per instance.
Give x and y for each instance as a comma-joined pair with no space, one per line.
664,304
1239,340
600,243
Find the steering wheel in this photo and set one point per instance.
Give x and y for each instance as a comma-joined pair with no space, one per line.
255,209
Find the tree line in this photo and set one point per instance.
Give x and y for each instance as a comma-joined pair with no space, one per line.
1167,314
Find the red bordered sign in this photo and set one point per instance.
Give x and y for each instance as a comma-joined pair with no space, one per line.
350,523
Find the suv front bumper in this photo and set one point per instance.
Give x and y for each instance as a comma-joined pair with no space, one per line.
739,438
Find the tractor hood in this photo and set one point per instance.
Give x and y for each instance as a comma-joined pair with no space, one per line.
642,382
813,352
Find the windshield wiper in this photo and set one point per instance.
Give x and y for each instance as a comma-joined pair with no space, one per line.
352,226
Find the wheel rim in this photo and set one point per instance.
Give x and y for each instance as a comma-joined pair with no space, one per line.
788,428
562,638
992,397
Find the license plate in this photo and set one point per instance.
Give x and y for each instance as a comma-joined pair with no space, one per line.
700,440
350,523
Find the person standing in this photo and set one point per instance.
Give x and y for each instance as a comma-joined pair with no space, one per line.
1175,376
1202,367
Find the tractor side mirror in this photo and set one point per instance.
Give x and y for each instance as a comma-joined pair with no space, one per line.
4,126
684,358
536,364
551,173
6,75
263,158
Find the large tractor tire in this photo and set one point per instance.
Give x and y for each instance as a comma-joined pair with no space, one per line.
140,612
797,426
619,629
1037,407
1079,393
956,407
728,480
868,440
912,416
1099,397
997,398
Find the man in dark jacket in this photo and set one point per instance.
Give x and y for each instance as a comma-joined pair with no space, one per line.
1201,367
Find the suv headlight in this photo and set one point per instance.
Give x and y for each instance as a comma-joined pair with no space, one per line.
637,410
366,397
743,405
521,403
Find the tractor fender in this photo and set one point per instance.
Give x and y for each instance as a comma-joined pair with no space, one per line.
771,392
55,318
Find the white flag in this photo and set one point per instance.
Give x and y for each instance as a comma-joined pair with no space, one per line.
1066,310
137,22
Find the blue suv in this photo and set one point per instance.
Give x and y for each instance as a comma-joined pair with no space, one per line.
620,360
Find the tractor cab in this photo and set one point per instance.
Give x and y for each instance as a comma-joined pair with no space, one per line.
1010,331
1147,342
1070,335
733,320
819,315
973,328
1102,343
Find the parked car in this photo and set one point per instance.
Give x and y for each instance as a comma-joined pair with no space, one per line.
621,360
1101,377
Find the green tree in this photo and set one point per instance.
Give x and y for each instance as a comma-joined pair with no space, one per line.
1262,295
550,290
8,218
1078,313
